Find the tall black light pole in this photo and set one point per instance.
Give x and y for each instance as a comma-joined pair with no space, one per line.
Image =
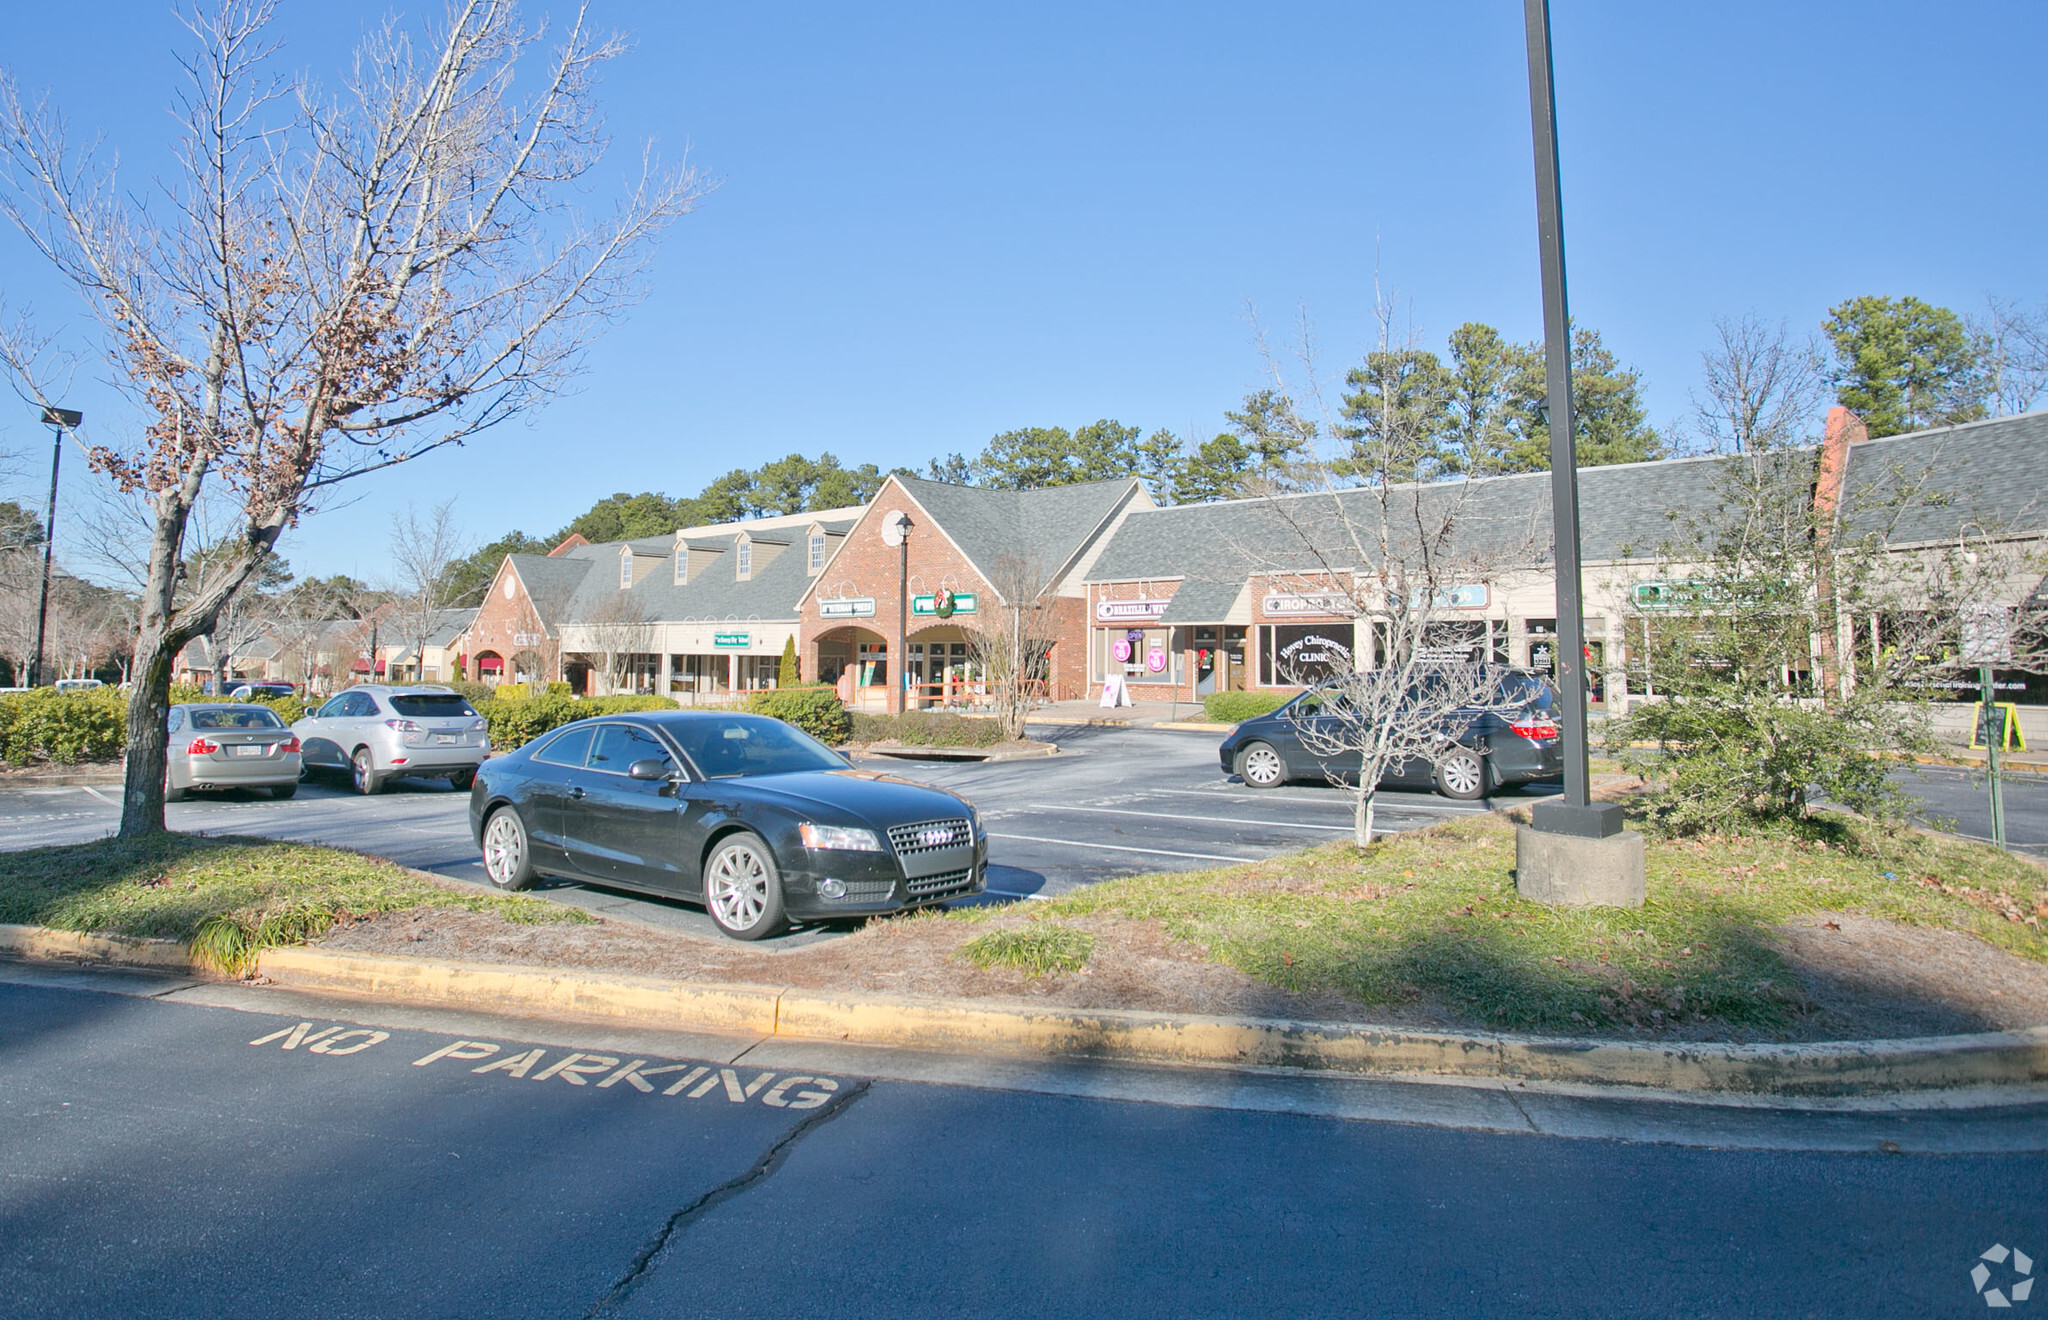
1578,815
57,419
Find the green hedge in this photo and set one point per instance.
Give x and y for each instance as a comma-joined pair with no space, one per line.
289,709
927,728
478,693
1235,707
815,710
516,721
67,728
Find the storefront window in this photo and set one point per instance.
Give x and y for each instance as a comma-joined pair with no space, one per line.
1299,654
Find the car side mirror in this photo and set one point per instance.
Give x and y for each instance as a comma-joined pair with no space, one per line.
649,768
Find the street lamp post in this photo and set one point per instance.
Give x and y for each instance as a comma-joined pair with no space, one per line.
896,531
1574,851
57,419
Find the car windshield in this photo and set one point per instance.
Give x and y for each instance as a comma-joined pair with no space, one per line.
728,747
445,704
255,717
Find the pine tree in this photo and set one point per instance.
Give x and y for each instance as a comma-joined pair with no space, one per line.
786,673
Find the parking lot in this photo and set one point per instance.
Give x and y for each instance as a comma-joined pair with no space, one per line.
1115,801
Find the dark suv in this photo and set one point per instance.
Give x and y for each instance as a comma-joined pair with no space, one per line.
1512,741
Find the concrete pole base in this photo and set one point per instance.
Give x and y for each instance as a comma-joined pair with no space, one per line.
1570,871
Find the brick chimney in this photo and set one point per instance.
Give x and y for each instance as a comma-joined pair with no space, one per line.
1844,429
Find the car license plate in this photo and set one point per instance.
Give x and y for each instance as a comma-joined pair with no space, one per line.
444,737
251,749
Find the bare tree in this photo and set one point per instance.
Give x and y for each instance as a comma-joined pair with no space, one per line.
337,284
303,617
1398,556
1763,388
2016,354
422,548
611,635
1011,641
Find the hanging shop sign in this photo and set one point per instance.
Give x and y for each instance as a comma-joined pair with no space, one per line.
943,604
849,607
1144,610
731,639
1286,604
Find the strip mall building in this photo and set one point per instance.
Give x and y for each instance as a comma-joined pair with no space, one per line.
1179,602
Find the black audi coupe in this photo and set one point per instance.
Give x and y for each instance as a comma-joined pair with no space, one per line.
755,819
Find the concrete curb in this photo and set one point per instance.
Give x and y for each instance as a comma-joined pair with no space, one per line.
1977,763
127,950
2006,1058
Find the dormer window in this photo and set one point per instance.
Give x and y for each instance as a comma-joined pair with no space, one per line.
682,564
745,561
817,551
625,569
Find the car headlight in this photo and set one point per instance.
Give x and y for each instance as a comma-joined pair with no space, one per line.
842,837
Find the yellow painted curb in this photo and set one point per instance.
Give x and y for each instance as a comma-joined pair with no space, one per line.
41,942
494,987
2005,1058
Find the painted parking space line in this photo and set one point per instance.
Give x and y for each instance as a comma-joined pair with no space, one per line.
1115,847
1309,800
1215,820
93,792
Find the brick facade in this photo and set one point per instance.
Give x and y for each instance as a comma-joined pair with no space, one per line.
867,568
506,617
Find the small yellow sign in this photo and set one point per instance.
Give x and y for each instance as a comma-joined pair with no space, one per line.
2010,739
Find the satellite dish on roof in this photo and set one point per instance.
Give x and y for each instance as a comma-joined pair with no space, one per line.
895,526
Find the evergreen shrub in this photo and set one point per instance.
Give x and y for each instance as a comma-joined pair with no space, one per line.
69,727
815,710
1236,707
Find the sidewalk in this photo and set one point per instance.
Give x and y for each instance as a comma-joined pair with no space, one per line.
1141,715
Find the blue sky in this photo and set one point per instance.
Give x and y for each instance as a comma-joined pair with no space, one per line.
940,222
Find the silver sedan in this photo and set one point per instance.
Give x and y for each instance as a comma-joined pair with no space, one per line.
229,745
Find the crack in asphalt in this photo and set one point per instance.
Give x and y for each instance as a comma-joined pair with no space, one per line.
771,1160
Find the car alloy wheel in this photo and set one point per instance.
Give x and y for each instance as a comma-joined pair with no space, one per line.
508,861
1462,775
366,779
1261,767
742,890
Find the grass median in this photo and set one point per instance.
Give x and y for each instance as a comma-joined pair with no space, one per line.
229,897
1432,916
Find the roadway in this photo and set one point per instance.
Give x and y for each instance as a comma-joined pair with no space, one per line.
174,1150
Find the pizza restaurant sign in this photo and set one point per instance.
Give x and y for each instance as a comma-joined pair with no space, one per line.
1143,610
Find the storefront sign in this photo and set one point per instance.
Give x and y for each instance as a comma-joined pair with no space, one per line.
1472,597
1120,650
851,607
730,639
1155,660
526,641
1129,611
942,604
1281,604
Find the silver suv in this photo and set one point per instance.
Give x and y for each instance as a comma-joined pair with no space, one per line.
377,733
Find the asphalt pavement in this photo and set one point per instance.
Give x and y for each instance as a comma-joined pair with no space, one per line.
1115,801
174,1159
1960,800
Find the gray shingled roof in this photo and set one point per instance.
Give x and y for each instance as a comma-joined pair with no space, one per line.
1045,527
1201,601
712,593
1925,486
551,581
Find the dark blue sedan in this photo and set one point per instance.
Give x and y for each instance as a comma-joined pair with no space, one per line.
755,819
1512,741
